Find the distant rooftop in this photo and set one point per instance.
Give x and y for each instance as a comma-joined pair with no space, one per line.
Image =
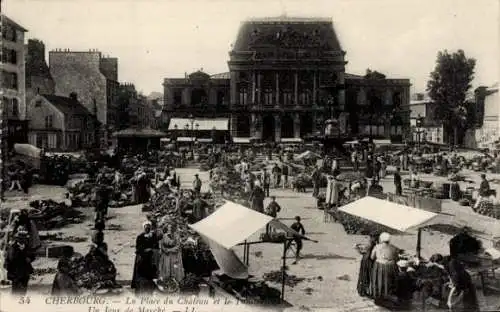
288,19
225,75
7,20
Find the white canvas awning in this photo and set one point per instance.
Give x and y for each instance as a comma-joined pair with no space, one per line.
382,142
291,140
230,225
165,140
27,150
204,140
186,139
395,216
241,140
221,124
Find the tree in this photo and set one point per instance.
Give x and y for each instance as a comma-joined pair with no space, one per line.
448,86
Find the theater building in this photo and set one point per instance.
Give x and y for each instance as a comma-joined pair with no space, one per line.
286,77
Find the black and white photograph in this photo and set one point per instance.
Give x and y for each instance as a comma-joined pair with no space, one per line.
252,155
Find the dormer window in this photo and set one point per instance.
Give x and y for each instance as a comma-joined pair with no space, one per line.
38,103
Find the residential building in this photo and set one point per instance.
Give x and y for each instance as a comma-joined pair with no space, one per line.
59,123
13,81
487,100
431,130
94,78
286,77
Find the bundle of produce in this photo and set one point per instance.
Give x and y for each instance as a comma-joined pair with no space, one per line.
81,193
356,225
49,214
169,285
190,282
92,274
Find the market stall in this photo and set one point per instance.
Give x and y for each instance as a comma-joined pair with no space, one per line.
233,224
138,140
405,219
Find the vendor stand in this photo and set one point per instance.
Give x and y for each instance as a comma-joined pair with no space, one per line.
405,219
138,140
232,225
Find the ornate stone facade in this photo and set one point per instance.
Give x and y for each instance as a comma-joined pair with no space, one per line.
286,77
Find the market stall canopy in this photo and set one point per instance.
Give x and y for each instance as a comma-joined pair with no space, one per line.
163,140
382,142
231,224
204,140
139,133
186,139
27,150
395,216
241,140
221,124
291,140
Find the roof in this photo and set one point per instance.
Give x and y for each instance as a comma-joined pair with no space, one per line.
7,20
67,105
395,216
203,124
299,32
353,76
139,133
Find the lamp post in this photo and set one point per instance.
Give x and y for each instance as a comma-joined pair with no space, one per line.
419,124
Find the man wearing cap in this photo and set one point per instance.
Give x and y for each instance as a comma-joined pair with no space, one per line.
197,184
18,263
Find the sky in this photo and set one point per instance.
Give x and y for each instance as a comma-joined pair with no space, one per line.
155,39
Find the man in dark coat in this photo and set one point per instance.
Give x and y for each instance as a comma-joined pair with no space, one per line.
272,210
199,209
18,263
197,184
397,182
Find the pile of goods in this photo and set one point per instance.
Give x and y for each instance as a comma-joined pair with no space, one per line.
359,226
49,214
55,170
91,274
227,182
488,208
252,292
82,194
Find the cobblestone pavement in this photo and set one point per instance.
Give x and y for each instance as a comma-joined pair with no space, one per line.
329,266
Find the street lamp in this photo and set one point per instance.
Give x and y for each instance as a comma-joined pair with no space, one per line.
419,125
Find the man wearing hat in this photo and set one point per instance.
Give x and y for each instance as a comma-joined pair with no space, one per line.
197,184
18,262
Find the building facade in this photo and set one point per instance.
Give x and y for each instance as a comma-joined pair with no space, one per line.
488,110
93,77
13,80
286,77
60,123
431,130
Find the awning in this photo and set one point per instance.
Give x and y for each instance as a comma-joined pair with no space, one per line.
221,124
395,216
382,142
291,140
27,150
241,140
186,139
204,140
352,142
229,226
165,140
139,133
308,155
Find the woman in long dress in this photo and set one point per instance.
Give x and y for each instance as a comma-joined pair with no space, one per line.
170,264
365,269
145,270
384,270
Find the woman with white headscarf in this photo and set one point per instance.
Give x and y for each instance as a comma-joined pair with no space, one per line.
384,272
145,270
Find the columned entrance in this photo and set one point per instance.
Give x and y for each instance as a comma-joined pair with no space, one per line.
287,126
268,128
306,124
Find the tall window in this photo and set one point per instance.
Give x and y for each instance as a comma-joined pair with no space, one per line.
243,96
9,56
9,33
49,122
288,98
15,107
305,98
9,80
268,97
